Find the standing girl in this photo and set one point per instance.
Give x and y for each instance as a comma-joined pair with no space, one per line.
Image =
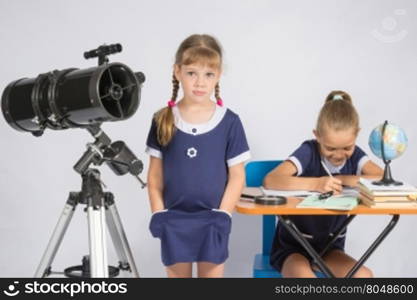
336,132
196,172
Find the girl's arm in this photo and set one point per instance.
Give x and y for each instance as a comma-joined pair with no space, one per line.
234,187
155,184
283,178
370,170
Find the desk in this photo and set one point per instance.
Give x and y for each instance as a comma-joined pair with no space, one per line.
283,211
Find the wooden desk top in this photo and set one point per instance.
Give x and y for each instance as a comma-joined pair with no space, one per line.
249,207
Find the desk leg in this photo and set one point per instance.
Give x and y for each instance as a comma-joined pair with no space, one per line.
289,225
374,245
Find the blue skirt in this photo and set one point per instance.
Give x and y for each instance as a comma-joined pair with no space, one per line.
200,236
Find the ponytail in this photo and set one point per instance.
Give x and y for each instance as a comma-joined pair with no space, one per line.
164,118
338,113
217,95
339,95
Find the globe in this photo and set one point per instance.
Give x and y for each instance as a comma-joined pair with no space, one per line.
394,140
388,142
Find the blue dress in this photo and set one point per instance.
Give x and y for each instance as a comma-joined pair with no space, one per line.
195,172
316,229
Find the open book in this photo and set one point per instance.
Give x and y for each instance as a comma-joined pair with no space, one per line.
347,200
338,202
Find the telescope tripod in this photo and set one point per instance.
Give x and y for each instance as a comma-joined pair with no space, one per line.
100,209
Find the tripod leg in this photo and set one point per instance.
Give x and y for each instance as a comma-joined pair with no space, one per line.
118,236
97,241
58,234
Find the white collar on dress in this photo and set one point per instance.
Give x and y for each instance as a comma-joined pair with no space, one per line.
332,168
196,129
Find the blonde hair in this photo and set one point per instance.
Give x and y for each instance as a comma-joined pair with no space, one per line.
338,113
197,48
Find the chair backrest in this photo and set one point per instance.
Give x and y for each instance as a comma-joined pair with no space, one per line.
255,173
257,170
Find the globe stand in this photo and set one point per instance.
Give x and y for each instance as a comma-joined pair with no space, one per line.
387,178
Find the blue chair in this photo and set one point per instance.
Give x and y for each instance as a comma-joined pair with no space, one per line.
255,173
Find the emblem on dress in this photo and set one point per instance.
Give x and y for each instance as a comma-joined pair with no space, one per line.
192,152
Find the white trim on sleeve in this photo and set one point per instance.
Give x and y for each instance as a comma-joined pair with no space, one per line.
153,152
361,163
297,164
238,159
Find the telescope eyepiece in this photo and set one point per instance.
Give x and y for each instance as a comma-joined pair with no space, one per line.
103,50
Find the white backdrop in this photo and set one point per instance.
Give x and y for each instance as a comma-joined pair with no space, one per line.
281,60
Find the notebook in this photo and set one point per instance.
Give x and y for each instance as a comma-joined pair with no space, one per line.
338,202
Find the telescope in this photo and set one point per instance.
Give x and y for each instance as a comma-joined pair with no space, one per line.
74,98
84,98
